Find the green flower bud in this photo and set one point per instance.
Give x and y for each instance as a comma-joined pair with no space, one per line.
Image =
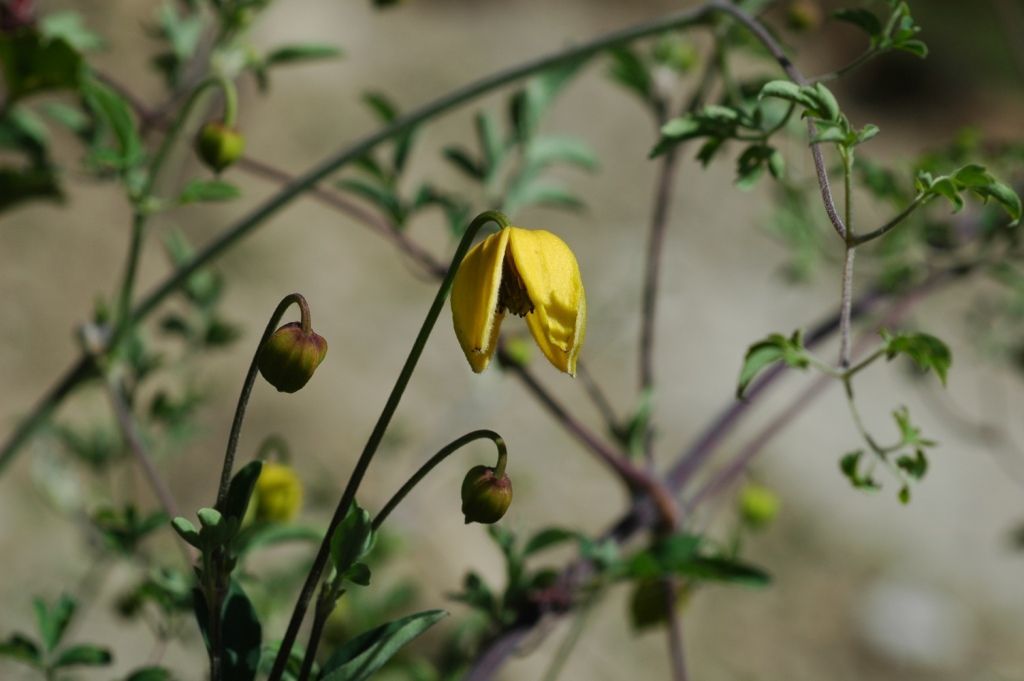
290,356
804,15
758,505
485,496
218,146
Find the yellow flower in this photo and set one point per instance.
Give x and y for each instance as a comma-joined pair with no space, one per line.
532,274
278,493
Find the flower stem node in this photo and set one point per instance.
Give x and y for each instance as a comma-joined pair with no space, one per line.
218,146
290,356
485,495
532,274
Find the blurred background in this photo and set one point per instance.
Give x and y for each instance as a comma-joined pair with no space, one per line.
864,587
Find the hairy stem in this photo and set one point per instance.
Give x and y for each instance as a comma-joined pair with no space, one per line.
133,438
634,477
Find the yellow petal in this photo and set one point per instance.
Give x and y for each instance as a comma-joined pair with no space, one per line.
551,275
475,299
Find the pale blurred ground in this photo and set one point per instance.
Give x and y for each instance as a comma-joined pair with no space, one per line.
834,550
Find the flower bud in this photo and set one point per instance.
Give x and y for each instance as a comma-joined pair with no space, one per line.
218,146
758,506
278,493
290,356
804,15
485,496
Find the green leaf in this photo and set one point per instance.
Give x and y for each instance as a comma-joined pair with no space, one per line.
53,622
915,466
909,433
208,190
236,503
69,27
18,185
540,194
70,117
721,569
682,128
463,160
927,351
849,464
774,348
264,536
20,648
353,538
382,197
381,105
862,18
87,655
241,632
789,91
546,538
489,141
361,657
31,63
629,70
828,106
359,574
115,115
291,54
543,151
186,531
150,674
914,47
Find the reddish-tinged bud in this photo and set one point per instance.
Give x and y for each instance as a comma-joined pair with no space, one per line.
290,356
218,146
485,496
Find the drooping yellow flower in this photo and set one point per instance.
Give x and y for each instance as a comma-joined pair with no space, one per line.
278,494
532,274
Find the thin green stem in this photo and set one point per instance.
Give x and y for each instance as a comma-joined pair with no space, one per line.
436,459
571,639
143,208
127,288
156,165
356,478
311,178
884,229
865,57
863,364
247,385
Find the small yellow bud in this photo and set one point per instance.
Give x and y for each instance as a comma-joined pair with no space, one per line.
218,146
758,505
278,493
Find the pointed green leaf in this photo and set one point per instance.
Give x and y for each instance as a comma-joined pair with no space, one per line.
84,655
208,190
361,657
